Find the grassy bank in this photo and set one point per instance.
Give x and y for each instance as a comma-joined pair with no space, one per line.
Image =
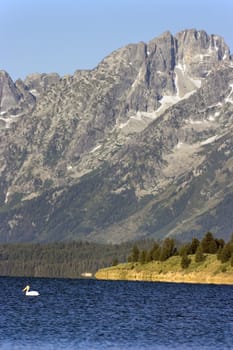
210,270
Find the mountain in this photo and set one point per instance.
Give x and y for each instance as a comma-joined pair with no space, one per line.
140,146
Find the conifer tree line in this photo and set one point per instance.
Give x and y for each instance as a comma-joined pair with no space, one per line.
71,259
168,248
62,259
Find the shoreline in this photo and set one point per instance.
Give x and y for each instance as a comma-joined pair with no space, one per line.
191,278
211,271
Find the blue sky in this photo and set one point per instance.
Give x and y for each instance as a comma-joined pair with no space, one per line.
65,35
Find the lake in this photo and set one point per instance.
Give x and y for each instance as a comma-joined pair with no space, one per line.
117,315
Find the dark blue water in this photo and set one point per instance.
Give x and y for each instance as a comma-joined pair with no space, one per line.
89,314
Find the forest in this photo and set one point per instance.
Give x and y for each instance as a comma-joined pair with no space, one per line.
168,248
74,259
62,259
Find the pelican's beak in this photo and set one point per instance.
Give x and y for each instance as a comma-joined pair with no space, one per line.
23,290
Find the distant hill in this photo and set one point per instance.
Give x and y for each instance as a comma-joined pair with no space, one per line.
140,146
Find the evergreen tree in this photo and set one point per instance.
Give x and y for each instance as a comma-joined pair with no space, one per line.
157,254
142,257
149,256
185,261
115,262
209,244
213,248
226,253
184,249
152,253
135,254
219,253
168,249
199,256
194,245
220,242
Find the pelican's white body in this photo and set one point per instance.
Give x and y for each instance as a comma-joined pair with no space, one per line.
32,293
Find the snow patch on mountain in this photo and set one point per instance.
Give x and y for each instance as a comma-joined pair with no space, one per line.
183,82
229,98
209,140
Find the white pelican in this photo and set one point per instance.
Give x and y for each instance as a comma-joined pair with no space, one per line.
32,293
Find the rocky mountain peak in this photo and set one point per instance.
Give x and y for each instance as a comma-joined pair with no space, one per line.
39,83
139,146
197,51
9,95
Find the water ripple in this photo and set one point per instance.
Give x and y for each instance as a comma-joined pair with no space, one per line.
99,315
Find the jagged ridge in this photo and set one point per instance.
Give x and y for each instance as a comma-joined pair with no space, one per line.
139,146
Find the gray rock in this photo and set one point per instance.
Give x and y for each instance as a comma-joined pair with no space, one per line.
9,95
39,83
140,146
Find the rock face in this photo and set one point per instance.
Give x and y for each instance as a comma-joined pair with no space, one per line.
9,95
15,100
140,146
